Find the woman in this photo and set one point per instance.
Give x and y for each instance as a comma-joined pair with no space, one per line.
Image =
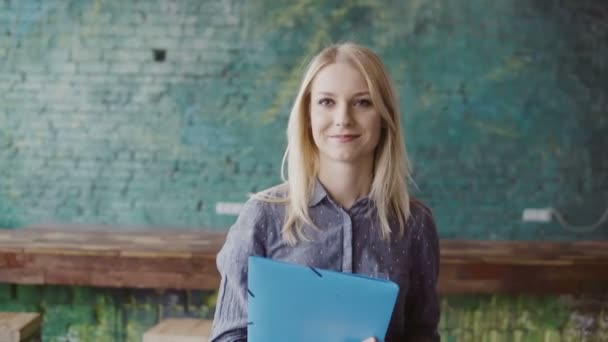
345,203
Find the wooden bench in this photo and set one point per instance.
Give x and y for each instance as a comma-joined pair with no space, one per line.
182,259
179,330
20,326
126,257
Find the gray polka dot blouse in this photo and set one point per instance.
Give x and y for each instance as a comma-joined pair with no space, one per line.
347,241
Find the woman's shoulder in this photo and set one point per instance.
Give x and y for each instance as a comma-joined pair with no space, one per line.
264,202
277,192
419,208
421,215
260,210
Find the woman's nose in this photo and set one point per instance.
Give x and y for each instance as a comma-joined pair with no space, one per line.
343,116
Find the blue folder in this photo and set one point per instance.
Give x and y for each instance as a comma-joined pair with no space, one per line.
293,303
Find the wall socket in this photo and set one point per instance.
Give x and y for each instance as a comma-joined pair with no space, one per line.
228,208
537,215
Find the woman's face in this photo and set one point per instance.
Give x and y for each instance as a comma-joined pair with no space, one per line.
345,124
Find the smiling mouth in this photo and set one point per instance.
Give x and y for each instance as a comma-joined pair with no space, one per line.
344,137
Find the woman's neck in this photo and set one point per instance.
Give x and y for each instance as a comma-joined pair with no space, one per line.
345,182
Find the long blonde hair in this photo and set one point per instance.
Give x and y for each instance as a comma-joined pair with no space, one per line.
389,188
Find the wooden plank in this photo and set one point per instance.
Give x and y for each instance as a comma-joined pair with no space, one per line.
103,264
133,279
489,278
22,275
128,242
179,330
158,254
186,259
18,326
12,259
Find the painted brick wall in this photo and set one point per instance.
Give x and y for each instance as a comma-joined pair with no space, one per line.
504,106
151,112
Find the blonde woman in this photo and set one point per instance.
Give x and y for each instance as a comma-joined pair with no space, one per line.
345,203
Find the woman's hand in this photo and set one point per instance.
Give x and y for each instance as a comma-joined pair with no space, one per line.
371,339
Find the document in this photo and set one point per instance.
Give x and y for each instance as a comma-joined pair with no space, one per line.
293,303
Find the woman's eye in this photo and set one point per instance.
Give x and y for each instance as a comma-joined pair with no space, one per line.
326,102
363,103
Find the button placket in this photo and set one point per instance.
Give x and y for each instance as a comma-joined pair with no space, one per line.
347,242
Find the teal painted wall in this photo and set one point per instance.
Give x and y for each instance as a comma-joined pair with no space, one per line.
505,106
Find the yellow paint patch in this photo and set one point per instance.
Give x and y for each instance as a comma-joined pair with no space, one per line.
496,129
511,64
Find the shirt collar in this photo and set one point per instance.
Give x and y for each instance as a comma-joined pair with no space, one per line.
318,194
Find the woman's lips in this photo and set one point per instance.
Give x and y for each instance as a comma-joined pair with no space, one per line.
344,137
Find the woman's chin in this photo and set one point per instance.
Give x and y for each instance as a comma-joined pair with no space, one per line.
347,158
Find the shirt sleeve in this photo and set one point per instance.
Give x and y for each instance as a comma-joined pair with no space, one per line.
422,302
244,238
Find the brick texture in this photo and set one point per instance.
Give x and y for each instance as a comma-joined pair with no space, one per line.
151,112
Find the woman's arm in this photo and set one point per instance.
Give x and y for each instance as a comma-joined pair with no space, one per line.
422,301
245,238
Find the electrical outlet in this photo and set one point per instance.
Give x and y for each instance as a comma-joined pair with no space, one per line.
228,208
537,215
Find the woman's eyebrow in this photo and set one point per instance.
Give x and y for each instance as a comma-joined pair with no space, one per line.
328,93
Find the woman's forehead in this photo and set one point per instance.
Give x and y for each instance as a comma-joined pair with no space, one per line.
339,78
